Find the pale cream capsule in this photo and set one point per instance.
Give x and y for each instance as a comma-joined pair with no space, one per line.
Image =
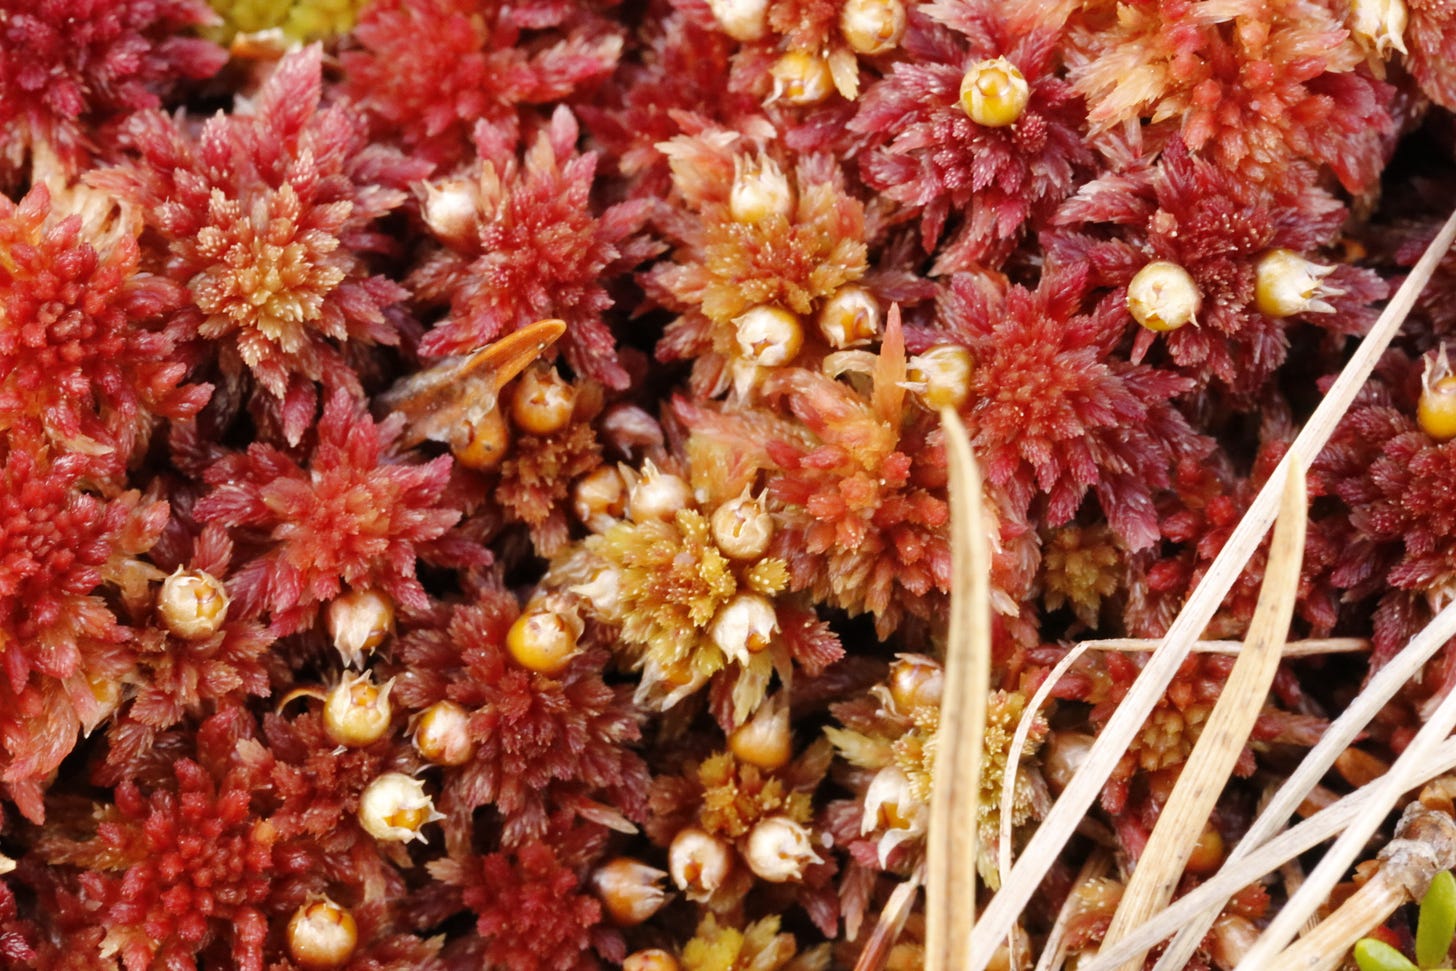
768,336
743,20
941,377
801,79
889,802
395,809
1163,296
322,935
779,849
744,626
603,591
742,527
994,93
850,318
657,495
452,211
1380,25
359,621
1286,283
357,712
1062,757
193,604
698,862
872,27
599,498
442,734
1232,937
760,191
629,890
916,681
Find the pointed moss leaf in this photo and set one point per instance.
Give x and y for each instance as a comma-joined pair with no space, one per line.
1437,922
1373,955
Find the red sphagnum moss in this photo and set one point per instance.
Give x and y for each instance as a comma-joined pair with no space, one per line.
71,70
645,670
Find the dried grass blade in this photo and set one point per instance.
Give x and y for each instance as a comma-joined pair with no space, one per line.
891,922
951,840
1308,647
1212,760
1385,793
1059,824
1209,898
1325,947
1018,743
1381,687
1302,648
1054,951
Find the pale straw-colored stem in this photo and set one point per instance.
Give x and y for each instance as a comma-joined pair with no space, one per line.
950,845
1018,744
1061,821
1385,793
1210,896
1341,734
1325,947
1054,951
1208,767
1309,647
1302,648
891,921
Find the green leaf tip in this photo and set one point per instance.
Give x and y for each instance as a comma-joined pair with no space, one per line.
1437,922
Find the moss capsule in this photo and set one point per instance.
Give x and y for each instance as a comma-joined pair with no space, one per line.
322,935
395,809
916,681
1208,852
1379,25
484,443
359,621
651,959
744,626
193,604
657,495
442,734
872,27
629,890
778,849
543,401
769,336
1286,283
994,93
941,377
742,528
850,318
760,191
1163,296
599,498
452,211
544,640
801,78
698,862
766,740
357,712
743,20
